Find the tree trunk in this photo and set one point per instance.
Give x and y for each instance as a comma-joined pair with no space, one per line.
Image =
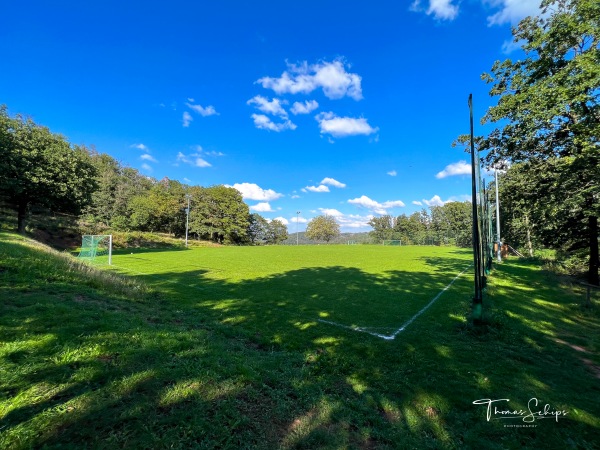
21,216
594,259
529,246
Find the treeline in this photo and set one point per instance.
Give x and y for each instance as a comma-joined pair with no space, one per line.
548,130
449,224
40,168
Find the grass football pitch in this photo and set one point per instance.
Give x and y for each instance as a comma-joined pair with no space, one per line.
269,348
282,292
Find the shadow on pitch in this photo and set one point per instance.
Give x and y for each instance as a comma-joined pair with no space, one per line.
216,364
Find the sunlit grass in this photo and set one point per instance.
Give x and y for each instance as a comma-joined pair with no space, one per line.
223,348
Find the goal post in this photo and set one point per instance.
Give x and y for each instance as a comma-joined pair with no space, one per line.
392,242
96,248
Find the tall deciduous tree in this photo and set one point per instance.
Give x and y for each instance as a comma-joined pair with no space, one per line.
322,228
219,214
258,228
453,220
276,232
41,168
383,228
549,105
116,187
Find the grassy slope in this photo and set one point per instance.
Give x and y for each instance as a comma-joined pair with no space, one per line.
87,360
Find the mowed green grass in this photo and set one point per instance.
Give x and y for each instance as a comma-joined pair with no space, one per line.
282,291
92,359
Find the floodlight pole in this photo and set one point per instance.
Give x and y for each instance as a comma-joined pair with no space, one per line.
498,218
477,298
297,220
187,219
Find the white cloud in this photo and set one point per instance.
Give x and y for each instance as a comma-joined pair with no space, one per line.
146,167
332,182
147,157
303,78
418,203
298,219
510,46
394,204
343,126
459,198
440,9
141,147
320,188
204,112
458,168
262,122
192,160
376,207
187,119
295,196
512,11
331,212
200,150
262,207
272,107
392,173
304,108
199,162
283,220
354,221
251,191
435,201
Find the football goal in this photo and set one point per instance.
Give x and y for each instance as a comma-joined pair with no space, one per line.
96,248
392,242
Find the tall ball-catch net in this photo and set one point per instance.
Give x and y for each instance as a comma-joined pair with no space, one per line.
96,248
482,231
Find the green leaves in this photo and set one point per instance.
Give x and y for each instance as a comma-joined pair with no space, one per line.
41,168
549,107
322,228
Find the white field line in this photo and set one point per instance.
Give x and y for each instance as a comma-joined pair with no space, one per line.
392,336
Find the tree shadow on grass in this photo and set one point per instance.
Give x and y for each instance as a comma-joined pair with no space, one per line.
218,364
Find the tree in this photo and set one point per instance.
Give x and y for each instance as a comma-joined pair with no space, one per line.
258,228
452,220
322,228
219,214
548,103
117,186
276,232
383,228
412,229
41,168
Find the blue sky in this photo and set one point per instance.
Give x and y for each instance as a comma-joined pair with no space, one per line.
322,107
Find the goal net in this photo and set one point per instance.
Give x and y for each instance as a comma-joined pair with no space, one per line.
96,248
392,242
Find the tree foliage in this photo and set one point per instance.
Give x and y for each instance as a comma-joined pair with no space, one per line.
40,168
276,232
442,225
549,107
322,228
219,214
